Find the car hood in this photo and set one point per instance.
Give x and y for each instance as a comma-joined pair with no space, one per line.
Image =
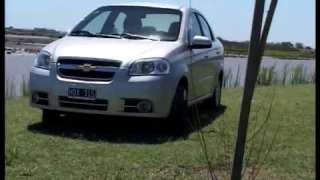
124,50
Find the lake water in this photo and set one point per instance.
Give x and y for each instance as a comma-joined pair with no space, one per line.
19,65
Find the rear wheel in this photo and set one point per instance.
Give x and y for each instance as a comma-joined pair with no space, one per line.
179,110
216,98
214,101
50,116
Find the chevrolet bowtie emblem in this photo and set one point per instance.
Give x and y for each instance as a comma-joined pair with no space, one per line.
86,67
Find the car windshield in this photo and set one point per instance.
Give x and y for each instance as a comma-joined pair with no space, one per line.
131,22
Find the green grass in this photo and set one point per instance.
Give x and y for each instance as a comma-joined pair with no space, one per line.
119,152
275,53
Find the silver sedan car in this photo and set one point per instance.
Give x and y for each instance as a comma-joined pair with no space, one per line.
138,60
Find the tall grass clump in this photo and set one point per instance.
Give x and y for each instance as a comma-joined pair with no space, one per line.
267,76
237,80
25,87
260,140
227,78
313,78
300,75
12,89
270,76
285,74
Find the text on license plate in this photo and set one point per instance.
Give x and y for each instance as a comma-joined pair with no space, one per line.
82,93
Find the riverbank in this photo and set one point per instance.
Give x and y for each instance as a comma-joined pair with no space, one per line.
288,55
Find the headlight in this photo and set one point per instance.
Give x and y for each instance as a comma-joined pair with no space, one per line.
43,60
150,67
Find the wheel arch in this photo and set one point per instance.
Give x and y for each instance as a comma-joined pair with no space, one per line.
184,81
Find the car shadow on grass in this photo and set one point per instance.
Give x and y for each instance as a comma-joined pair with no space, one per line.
124,130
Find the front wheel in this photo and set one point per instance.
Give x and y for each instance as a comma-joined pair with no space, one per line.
179,110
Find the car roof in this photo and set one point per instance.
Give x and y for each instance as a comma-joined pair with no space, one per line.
145,4
157,5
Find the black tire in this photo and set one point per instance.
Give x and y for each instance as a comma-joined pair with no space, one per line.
50,117
216,97
178,115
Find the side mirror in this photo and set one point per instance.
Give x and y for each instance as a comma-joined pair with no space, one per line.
201,42
63,33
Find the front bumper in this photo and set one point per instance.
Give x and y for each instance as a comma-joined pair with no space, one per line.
158,90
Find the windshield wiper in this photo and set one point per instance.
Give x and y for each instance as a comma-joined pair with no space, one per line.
89,34
118,36
82,33
135,36
108,36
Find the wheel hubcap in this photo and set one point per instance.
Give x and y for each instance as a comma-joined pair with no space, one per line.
185,95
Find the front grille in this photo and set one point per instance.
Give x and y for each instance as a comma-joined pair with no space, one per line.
95,70
79,74
97,104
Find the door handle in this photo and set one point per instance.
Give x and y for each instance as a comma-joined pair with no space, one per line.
206,56
218,52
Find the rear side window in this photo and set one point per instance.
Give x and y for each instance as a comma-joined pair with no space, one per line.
205,27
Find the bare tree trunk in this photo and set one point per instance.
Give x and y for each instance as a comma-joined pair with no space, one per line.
256,50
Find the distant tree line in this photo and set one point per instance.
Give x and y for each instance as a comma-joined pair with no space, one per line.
279,46
32,32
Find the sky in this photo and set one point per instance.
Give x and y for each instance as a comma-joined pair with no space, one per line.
294,20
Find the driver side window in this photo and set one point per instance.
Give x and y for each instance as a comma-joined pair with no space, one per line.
96,25
118,24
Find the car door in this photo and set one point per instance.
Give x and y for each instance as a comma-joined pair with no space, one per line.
211,65
198,58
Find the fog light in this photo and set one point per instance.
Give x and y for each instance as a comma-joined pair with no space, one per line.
35,97
143,106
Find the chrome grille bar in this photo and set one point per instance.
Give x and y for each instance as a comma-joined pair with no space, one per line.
100,70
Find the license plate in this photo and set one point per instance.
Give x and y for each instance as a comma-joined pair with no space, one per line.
82,93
